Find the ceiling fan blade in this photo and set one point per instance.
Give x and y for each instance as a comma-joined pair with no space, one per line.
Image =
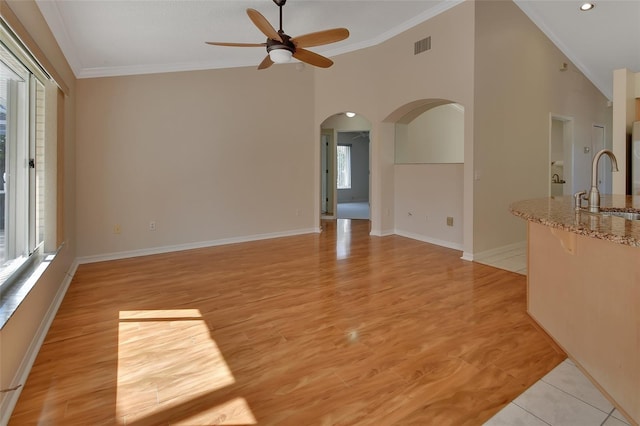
312,58
263,25
215,43
321,37
266,63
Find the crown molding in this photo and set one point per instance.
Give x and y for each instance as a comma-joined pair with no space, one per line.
52,15
51,12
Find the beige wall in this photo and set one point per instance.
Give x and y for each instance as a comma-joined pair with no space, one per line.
21,331
341,123
427,193
359,82
207,155
435,136
421,216
199,152
517,85
379,81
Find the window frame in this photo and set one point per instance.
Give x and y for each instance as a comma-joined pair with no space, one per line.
345,182
27,239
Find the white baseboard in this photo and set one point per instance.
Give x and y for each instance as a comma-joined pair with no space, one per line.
423,238
467,256
479,257
381,233
11,398
191,246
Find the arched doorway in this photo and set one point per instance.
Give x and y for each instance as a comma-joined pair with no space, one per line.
345,166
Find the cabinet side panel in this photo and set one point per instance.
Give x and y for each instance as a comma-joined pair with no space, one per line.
585,294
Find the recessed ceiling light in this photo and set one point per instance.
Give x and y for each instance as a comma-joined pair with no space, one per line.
350,114
587,6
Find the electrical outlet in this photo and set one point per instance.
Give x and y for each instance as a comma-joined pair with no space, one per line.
152,225
449,221
117,229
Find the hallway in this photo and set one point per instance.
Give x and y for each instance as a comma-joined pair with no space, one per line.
353,210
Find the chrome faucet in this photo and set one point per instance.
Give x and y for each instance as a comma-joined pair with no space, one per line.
593,198
555,178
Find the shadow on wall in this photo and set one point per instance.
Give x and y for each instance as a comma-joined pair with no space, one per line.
430,134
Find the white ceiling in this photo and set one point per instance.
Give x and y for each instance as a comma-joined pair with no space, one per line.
598,41
122,37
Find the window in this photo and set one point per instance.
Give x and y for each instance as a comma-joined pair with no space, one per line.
344,167
22,142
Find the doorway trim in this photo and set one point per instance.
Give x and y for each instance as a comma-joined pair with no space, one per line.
337,136
327,176
568,154
339,123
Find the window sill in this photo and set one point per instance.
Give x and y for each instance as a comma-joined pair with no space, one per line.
14,294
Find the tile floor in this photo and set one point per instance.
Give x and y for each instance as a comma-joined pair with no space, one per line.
564,397
514,260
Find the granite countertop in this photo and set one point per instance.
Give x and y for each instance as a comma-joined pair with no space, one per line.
559,212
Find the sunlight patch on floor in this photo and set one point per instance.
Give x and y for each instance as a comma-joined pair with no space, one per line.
167,361
234,412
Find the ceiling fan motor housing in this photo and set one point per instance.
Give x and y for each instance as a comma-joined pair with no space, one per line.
285,44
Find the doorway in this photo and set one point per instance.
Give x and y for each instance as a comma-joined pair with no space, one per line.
344,138
352,172
561,180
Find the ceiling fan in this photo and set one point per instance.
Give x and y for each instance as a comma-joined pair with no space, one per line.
281,47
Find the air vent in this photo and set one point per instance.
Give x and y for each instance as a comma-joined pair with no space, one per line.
422,45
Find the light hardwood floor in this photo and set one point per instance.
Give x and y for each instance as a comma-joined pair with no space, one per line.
336,328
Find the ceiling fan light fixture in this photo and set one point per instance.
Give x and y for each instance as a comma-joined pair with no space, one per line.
280,56
281,47
350,114
587,6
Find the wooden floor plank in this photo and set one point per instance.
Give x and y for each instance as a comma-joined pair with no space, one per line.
337,328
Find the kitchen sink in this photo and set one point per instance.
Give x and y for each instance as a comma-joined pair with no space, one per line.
624,215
